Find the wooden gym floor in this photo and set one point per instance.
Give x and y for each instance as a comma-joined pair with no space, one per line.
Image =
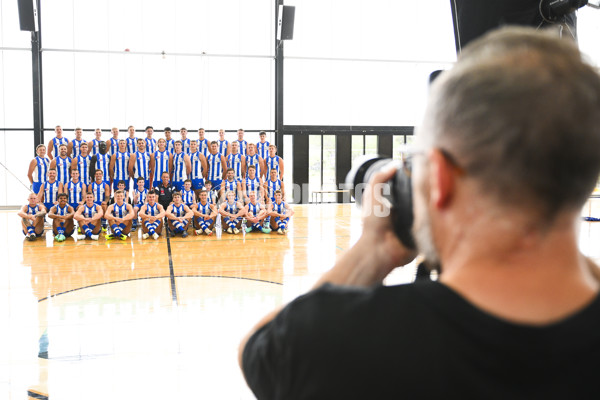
159,319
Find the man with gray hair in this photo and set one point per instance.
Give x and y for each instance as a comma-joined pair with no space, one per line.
508,154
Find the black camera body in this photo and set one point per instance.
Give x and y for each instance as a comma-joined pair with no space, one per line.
399,194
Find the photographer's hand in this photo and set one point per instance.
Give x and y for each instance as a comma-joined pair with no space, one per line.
378,251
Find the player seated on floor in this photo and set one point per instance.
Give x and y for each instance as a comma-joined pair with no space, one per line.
152,214
255,214
139,198
89,215
280,213
62,218
32,218
119,216
179,216
205,214
231,212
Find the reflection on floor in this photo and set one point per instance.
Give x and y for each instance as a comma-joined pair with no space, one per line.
141,319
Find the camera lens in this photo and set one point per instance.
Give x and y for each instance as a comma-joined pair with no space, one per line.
399,194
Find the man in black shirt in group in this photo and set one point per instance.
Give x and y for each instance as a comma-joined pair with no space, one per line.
165,191
506,157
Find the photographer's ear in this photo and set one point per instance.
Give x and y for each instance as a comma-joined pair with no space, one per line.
442,179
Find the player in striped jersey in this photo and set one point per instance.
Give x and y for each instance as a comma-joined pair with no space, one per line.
38,169
32,218
203,143
139,163
180,166
255,214
231,211
93,146
119,216
185,141
252,184
231,185
152,215
82,164
101,192
242,144
75,144
188,196
62,218
274,161
88,216
179,216
223,144
131,140
237,162
112,144
75,189
216,166
272,185
160,162
150,141
253,158
205,214
55,142
212,195
139,198
169,140
62,165
49,190
280,213
199,167
101,161
119,165
262,147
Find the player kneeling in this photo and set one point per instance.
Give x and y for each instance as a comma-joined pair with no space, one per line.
255,214
205,214
179,216
62,218
120,217
280,213
152,215
231,211
88,215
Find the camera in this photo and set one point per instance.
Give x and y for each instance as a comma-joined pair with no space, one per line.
399,194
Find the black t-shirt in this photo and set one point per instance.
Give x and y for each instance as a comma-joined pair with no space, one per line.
415,341
165,194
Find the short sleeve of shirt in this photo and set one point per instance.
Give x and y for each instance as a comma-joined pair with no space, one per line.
278,357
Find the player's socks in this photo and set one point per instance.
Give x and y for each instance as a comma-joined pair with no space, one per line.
61,228
115,230
30,230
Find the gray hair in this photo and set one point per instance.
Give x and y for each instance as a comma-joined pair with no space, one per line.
520,113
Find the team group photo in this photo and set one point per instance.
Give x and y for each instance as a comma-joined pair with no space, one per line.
88,188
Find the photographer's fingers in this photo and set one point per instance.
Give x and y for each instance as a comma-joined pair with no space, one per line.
374,201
